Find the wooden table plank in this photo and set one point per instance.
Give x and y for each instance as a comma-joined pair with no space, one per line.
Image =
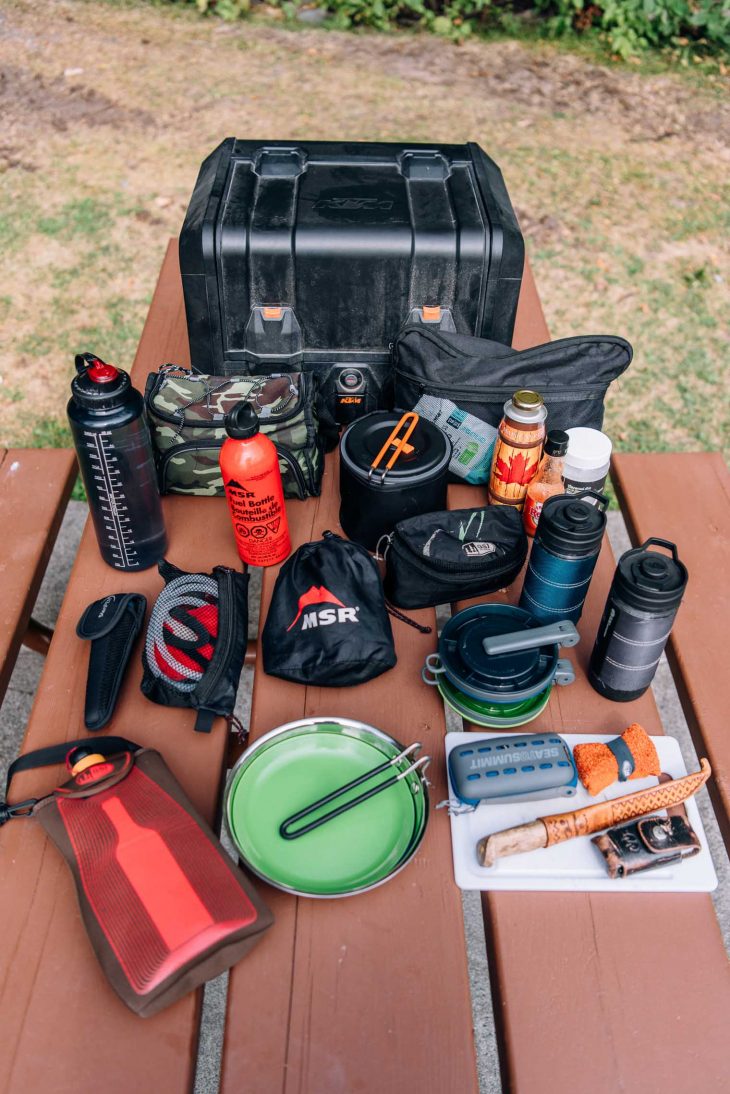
368,993
61,1026
602,991
685,497
35,485
616,972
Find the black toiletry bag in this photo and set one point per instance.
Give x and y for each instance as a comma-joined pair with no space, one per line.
571,374
453,555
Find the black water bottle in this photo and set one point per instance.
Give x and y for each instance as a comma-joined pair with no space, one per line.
115,456
643,600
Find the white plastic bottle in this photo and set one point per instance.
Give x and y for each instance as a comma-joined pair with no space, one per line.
587,460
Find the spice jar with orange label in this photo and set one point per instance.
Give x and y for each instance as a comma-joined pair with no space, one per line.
518,448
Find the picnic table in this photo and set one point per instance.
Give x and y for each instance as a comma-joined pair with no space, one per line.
592,992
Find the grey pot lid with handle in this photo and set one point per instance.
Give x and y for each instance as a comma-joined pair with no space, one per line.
501,653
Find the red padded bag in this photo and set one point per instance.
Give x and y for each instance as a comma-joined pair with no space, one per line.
165,907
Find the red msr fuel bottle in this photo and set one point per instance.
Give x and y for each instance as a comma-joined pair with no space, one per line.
255,495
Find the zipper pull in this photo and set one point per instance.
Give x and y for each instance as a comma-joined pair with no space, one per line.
387,536
237,727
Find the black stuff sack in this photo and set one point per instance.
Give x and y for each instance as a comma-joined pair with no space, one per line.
327,623
479,376
196,642
442,557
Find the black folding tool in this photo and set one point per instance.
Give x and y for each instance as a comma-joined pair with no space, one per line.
112,625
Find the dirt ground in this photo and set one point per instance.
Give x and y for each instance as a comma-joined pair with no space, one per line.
107,109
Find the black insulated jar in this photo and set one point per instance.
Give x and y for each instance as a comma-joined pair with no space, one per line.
373,501
645,595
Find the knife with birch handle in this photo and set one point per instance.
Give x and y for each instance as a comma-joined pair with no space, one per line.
558,827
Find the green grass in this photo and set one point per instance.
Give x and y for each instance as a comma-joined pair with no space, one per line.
85,217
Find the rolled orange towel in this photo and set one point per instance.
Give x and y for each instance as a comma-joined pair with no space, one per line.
630,756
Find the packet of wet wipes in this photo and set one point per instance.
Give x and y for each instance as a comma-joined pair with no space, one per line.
471,438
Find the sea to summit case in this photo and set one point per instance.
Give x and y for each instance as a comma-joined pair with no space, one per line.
313,256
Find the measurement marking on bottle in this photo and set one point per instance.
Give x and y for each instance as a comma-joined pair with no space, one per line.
111,498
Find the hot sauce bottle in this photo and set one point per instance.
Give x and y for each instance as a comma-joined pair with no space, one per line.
518,448
547,481
252,480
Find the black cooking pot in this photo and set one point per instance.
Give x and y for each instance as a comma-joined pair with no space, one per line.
375,498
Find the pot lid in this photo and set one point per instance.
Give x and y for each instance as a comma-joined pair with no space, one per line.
428,455
649,580
572,526
508,676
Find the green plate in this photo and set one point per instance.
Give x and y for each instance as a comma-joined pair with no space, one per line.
292,767
493,715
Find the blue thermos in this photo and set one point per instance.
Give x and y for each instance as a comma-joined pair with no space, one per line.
564,554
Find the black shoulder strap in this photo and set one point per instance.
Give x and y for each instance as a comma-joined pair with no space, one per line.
56,754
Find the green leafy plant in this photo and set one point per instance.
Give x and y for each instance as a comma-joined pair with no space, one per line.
627,27
225,9
631,26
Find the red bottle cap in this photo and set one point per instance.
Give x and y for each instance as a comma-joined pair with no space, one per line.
101,373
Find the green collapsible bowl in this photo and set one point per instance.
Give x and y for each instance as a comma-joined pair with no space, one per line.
294,766
493,715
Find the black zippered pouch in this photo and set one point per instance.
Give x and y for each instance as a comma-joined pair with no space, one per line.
196,642
571,374
441,557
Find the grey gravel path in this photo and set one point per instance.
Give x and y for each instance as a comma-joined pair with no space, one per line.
16,708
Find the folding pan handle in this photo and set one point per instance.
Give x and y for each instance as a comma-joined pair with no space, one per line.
432,668
563,632
564,672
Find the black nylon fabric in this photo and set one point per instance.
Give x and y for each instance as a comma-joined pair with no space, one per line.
215,692
459,553
571,374
327,623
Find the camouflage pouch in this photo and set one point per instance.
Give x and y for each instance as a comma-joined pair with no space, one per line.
185,411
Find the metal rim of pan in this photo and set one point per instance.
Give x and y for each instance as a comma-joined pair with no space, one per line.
303,723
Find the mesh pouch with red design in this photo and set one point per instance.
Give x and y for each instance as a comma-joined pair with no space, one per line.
196,642
164,906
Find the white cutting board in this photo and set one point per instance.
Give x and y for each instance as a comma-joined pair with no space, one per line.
576,865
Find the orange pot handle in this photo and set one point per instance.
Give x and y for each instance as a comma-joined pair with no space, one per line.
399,444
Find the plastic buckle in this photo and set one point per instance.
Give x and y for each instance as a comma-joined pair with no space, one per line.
20,809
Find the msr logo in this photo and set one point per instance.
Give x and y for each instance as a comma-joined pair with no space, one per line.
353,204
313,616
93,774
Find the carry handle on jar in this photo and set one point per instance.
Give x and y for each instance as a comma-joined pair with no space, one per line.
601,499
399,444
671,547
563,632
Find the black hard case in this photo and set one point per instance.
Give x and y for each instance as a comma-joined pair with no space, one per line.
349,240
